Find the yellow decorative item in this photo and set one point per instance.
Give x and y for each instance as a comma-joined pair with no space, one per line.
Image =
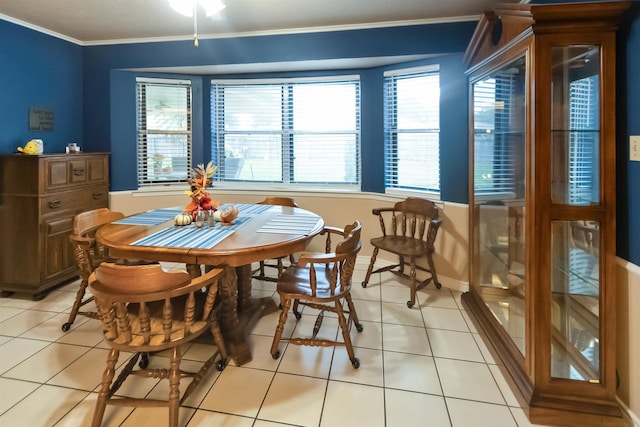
32,147
183,219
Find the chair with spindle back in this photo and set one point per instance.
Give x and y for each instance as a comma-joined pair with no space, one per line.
88,255
322,281
278,264
145,309
409,230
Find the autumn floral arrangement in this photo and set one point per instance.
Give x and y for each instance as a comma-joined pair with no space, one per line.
200,199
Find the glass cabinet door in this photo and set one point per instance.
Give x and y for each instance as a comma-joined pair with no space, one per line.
575,243
499,193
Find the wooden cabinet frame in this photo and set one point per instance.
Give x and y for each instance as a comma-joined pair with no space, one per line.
537,35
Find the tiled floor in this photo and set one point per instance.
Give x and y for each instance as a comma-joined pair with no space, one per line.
425,366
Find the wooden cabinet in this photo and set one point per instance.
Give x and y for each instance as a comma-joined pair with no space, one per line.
39,196
542,205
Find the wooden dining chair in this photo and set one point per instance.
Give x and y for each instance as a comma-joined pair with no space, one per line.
145,309
322,281
409,230
277,263
88,255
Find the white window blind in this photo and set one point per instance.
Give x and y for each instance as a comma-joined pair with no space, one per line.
303,131
493,150
412,129
164,131
583,145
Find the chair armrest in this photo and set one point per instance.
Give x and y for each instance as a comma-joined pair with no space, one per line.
82,241
378,211
315,258
434,225
331,230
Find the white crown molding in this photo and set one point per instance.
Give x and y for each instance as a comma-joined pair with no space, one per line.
386,24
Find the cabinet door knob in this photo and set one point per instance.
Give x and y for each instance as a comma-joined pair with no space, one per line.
78,171
55,204
98,195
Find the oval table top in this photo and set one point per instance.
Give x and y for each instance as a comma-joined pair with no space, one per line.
259,232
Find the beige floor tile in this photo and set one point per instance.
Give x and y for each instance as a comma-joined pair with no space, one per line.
466,413
203,418
411,372
397,294
508,395
433,297
369,311
260,346
370,293
238,391
23,321
468,380
306,360
294,399
13,391
486,353
46,363
16,350
153,417
410,409
84,331
84,373
405,339
370,337
444,318
57,301
51,329
42,408
8,312
353,405
454,345
82,414
400,314
370,371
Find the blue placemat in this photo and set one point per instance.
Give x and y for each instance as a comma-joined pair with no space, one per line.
154,217
248,208
190,236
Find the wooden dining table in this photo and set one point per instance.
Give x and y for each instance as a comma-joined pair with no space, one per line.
259,232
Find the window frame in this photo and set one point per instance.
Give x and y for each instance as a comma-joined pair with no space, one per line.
392,131
286,133
143,131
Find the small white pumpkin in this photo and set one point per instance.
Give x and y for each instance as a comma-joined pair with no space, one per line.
183,219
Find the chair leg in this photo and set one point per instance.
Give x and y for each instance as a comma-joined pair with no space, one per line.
370,269
105,385
413,284
219,342
286,304
432,268
84,282
353,316
174,386
355,362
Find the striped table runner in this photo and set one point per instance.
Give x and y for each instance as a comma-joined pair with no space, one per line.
153,217
190,236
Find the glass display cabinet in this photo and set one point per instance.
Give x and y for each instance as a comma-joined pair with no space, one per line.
542,205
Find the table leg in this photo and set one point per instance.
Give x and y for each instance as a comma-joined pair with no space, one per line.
240,311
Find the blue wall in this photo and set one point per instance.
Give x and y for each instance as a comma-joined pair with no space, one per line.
43,72
106,78
91,93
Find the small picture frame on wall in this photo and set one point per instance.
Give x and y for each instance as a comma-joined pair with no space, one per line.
40,119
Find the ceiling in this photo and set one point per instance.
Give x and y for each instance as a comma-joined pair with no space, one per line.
89,22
